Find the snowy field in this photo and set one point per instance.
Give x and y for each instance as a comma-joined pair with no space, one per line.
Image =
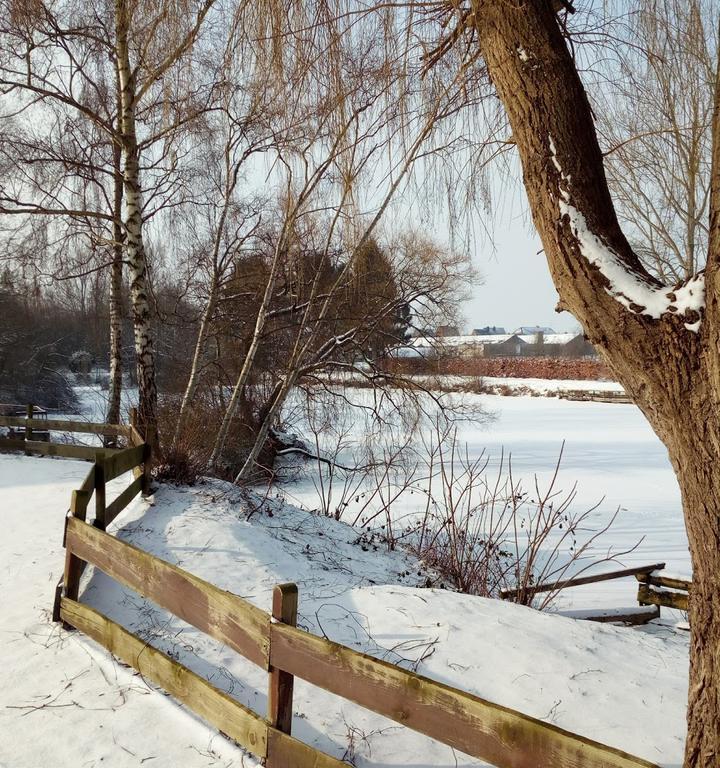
67,703
621,686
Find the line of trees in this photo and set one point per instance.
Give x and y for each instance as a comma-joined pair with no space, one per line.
224,188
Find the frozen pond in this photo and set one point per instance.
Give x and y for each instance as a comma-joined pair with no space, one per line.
610,452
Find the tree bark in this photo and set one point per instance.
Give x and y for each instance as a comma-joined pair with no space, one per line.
135,246
667,360
115,393
193,379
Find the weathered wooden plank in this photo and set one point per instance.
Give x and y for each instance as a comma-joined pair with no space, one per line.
88,484
117,505
664,581
123,461
11,444
135,437
241,724
68,451
222,615
649,596
62,425
635,616
505,738
579,581
286,752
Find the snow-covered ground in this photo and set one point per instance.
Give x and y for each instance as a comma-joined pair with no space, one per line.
63,701
66,702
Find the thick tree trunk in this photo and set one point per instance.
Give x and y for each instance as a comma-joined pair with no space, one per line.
698,471
135,246
661,342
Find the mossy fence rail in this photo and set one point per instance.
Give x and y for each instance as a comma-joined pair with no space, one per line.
501,736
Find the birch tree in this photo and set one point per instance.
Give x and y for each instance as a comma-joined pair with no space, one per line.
141,104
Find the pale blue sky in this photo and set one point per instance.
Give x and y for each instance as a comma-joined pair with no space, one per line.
516,287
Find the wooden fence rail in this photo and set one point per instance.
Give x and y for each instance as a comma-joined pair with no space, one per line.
62,425
42,427
109,463
480,728
654,589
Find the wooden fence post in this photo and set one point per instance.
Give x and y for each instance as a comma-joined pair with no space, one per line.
74,566
28,428
280,684
100,491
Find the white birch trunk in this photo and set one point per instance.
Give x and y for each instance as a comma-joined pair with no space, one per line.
135,247
115,393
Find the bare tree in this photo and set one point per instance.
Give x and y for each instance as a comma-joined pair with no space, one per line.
655,113
117,79
661,341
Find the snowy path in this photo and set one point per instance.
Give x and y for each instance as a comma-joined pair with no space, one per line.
63,701
67,703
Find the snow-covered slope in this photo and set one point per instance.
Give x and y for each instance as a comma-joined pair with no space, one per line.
623,687
63,701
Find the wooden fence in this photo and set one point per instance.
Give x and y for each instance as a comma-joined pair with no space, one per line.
479,728
595,395
108,464
32,426
654,590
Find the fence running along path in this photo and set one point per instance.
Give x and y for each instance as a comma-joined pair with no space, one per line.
655,589
479,728
108,464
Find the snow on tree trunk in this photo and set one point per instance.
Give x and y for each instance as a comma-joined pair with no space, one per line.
660,341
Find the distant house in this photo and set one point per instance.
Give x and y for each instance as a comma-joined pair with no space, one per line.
537,344
506,345
579,346
496,345
488,330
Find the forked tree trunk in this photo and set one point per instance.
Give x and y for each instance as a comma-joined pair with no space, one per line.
135,247
661,342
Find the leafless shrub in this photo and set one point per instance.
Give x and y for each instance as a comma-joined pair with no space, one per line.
485,532
183,461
